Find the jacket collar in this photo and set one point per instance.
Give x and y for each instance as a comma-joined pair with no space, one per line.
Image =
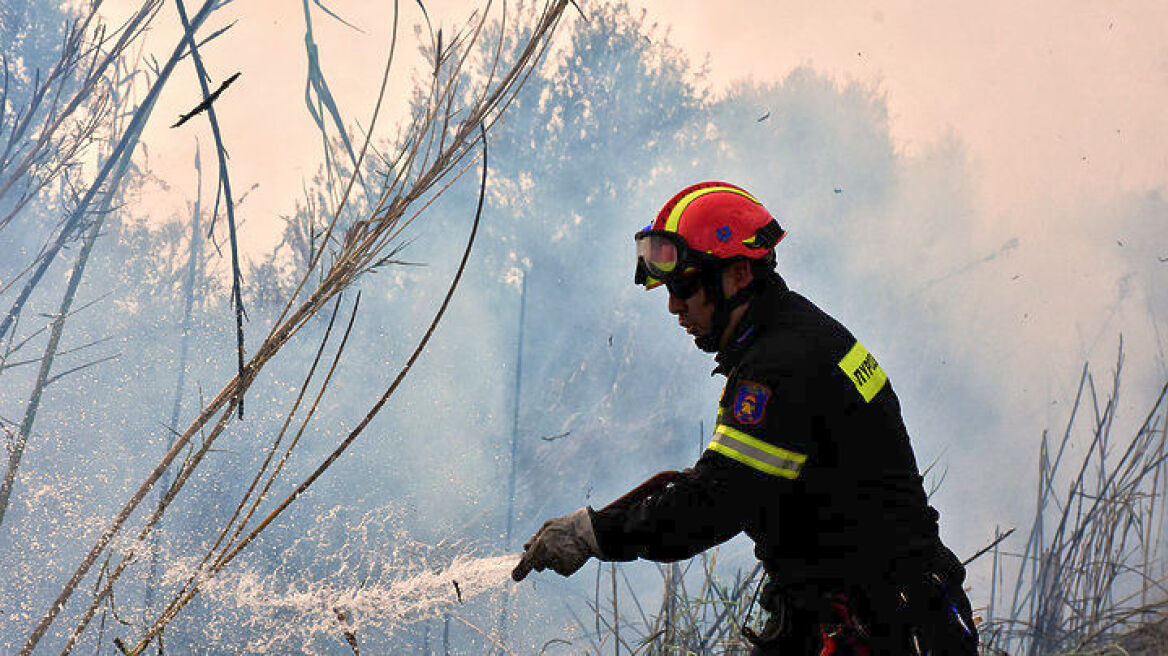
754,322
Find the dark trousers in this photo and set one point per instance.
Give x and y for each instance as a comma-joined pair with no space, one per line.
922,619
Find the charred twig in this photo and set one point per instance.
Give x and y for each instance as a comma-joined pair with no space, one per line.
208,98
347,630
991,545
578,9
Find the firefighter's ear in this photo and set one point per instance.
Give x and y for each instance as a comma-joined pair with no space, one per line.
736,275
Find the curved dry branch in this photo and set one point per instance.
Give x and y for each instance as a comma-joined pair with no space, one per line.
234,550
365,242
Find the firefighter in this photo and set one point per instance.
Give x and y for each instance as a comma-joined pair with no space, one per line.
809,456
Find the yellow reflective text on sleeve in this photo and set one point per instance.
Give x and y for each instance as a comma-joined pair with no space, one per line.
864,371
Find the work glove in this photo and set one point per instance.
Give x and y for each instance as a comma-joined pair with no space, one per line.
564,544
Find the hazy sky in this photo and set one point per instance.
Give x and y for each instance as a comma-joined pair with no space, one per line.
1052,98
1055,101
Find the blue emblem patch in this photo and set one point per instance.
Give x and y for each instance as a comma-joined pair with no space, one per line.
723,233
750,403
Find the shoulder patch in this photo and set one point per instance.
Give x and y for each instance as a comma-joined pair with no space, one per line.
750,401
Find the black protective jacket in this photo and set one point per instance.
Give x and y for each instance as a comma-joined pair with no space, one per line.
809,457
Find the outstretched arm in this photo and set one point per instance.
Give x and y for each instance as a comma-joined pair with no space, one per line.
675,515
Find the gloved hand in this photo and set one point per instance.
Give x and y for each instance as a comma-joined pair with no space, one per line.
564,544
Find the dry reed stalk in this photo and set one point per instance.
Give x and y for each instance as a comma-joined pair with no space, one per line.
222,189
188,294
116,166
1103,543
361,247
684,624
83,55
76,51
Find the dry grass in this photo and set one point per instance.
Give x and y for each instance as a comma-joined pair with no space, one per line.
441,145
1090,572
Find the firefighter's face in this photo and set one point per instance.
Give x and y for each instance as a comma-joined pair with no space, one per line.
694,314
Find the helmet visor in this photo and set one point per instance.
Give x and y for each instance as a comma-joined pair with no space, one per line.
660,253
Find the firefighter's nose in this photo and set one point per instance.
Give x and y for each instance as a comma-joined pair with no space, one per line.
676,305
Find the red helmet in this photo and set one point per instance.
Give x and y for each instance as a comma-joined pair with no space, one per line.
708,221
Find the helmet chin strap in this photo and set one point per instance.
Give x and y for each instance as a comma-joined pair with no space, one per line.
720,321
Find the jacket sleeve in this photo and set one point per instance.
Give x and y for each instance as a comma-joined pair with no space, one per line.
757,450
695,510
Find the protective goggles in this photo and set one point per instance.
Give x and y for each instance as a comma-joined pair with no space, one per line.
663,257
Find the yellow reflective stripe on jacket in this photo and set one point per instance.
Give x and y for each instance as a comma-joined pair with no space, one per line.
864,371
675,214
755,453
